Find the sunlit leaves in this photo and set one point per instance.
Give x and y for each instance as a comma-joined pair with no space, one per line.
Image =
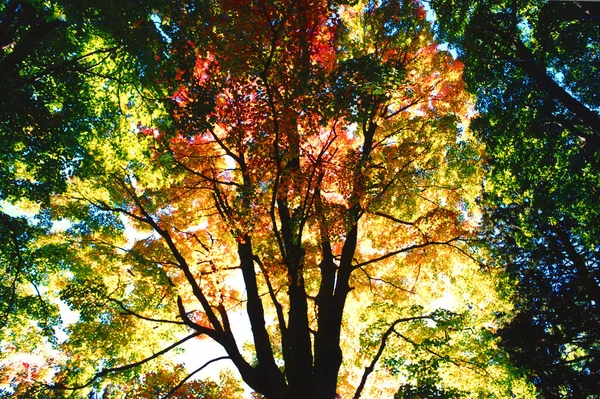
311,166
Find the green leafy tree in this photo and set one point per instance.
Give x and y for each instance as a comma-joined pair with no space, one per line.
69,72
532,66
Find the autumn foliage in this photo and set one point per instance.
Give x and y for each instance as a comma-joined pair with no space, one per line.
322,158
316,179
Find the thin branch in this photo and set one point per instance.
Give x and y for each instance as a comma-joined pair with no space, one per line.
188,322
457,362
392,218
273,296
381,280
147,218
111,370
468,255
56,68
199,369
227,150
205,177
132,313
405,249
394,113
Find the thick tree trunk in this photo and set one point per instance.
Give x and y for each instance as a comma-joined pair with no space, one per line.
269,379
298,356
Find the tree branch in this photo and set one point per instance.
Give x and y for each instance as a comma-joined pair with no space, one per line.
457,362
406,249
132,313
199,369
278,307
369,369
111,370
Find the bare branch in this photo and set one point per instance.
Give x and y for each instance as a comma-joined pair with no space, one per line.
392,218
132,313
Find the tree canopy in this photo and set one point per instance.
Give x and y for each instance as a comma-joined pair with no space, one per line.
533,67
299,183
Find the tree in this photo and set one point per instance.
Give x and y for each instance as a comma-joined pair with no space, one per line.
54,57
540,39
316,173
68,71
53,60
539,121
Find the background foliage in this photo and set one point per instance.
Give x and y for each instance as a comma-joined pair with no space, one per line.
533,67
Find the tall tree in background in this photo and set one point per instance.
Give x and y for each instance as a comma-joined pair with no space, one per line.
69,72
316,179
534,68
53,61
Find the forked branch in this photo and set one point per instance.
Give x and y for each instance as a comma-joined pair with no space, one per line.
369,369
